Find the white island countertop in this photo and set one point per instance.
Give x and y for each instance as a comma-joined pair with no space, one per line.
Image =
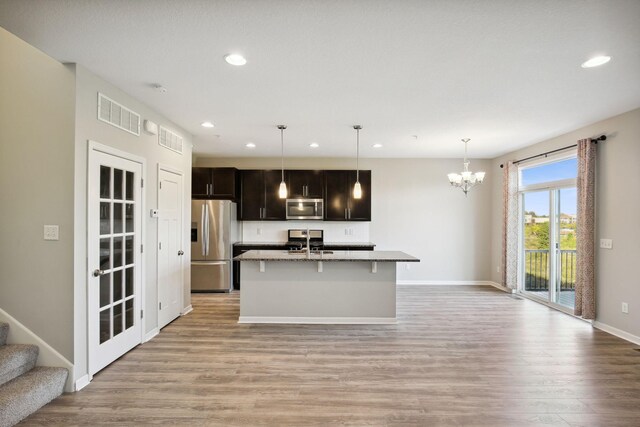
327,256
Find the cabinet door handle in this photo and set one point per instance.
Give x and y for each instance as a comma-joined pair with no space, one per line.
345,214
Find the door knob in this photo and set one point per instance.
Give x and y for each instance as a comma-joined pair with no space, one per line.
180,253
97,272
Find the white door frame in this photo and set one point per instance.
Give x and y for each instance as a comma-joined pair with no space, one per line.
170,169
96,146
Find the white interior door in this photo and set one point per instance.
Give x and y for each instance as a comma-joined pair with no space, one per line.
114,261
170,253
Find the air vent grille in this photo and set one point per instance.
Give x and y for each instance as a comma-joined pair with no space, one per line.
115,114
170,140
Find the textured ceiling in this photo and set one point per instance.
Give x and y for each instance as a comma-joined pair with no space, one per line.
504,73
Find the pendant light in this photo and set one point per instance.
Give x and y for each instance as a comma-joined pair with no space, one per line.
282,191
357,189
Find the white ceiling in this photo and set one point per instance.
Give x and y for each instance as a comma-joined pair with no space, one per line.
504,73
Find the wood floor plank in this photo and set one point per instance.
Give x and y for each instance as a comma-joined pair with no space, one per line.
459,356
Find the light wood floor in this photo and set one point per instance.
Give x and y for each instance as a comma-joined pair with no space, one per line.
461,356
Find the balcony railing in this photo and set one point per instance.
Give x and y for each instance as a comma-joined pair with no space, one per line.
536,263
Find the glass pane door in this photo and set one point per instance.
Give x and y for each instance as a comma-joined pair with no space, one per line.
536,239
114,278
566,221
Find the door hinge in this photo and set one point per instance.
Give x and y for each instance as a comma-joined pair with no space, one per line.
142,182
160,245
161,306
161,185
141,249
142,314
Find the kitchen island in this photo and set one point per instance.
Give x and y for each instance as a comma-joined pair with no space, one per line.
322,287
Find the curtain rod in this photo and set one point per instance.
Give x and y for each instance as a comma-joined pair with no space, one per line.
600,138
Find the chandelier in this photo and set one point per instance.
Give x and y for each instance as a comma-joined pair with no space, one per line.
466,179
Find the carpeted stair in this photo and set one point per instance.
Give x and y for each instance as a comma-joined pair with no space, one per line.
24,388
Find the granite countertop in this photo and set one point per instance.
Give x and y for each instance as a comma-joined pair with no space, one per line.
344,256
326,244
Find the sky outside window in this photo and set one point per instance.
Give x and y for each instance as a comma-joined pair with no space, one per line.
539,202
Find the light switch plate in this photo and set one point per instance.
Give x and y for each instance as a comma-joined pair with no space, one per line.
51,232
606,243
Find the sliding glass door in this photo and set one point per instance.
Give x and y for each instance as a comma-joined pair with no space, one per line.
548,232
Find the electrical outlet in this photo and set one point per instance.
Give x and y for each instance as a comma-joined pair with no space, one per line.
407,266
625,307
51,232
606,243
346,231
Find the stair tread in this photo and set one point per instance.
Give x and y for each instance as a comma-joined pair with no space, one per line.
4,331
29,392
16,359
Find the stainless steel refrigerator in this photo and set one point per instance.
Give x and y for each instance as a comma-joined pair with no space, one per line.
214,229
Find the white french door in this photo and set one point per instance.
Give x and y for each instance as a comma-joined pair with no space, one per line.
170,253
114,222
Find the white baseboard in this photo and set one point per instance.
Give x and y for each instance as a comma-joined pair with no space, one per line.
188,309
82,382
444,282
502,288
47,356
321,320
617,332
152,333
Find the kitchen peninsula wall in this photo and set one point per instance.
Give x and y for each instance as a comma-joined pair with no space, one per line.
413,209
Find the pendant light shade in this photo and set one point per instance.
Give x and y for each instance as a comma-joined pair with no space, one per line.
282,191
357,189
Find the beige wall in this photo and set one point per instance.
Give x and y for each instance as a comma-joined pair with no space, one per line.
88,127
415,210
618,204
36,188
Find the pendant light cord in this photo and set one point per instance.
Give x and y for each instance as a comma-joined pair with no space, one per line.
282,152
357,153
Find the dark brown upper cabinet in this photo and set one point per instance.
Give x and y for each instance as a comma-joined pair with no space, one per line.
339,204
308,184
259,196
215,183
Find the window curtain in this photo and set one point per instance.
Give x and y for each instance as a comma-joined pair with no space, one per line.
510,226
585,231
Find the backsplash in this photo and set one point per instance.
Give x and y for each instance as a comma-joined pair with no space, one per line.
276,231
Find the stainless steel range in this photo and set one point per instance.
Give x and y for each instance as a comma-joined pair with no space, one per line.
297,239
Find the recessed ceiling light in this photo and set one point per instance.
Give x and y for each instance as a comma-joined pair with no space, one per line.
377,145
314,145
235,59
207,125
596,61
250,145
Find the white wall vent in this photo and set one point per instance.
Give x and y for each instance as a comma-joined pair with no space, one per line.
170,140
109,111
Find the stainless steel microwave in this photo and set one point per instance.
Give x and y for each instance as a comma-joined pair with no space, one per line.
305,209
